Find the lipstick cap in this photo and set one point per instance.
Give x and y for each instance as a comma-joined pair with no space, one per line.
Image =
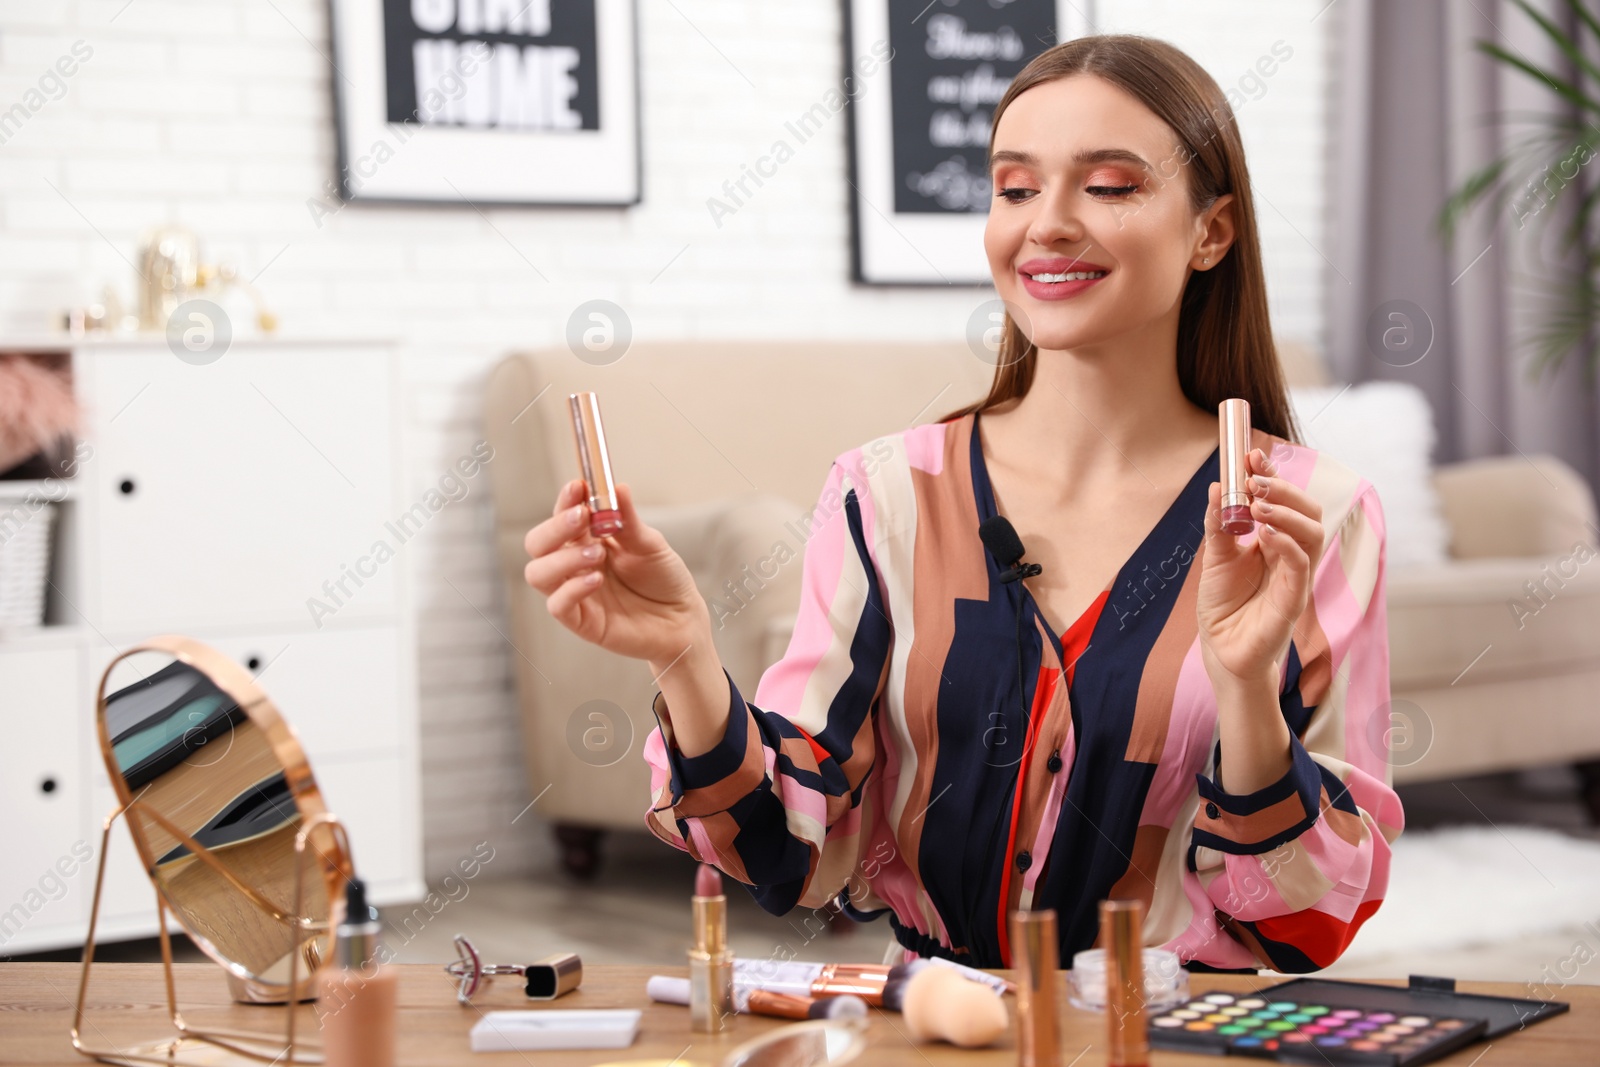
1122,933
1233,425
1036,958
594,460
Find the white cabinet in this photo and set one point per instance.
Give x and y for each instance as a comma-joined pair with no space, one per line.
237,491
223,502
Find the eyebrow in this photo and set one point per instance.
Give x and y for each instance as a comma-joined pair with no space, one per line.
1082,157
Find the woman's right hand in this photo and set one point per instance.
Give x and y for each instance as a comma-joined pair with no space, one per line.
636,597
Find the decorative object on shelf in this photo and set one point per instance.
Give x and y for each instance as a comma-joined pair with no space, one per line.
37,408
169,270
919,127
465,103
230,826
172,273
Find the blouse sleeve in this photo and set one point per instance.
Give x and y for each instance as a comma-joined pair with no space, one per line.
1296,867
776,803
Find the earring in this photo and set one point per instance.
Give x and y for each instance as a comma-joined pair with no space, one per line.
1205,261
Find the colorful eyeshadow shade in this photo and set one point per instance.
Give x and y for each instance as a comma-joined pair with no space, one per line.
1220,1023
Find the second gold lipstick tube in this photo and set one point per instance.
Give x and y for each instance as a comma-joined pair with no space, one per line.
710,966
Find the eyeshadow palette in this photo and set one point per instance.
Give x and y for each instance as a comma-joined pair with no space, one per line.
1266,1025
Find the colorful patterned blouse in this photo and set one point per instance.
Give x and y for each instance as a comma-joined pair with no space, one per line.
903,755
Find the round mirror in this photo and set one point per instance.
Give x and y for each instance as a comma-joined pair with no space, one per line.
217,793
816,1043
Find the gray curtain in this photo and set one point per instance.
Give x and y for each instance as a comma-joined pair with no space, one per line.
1415,106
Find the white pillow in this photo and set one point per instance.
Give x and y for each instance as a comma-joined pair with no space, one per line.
1384,432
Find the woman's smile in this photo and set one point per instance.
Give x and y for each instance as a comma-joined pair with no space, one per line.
1058,278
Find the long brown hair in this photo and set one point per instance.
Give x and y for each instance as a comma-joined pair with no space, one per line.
1225,344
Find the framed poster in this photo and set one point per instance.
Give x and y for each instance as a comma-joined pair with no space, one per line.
487,101
919,170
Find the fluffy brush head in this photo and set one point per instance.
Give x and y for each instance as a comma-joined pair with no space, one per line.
843,1006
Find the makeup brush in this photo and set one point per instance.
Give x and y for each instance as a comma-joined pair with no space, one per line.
939,1004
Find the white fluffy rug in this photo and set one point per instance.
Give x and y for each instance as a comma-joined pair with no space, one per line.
1464,886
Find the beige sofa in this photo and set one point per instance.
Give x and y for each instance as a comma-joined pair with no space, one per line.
724,443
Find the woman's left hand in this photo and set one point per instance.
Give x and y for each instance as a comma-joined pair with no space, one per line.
1251,595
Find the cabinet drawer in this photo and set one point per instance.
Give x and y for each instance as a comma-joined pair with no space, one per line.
339,690
46,878
238,491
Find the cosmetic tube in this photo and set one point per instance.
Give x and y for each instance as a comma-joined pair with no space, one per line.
356,995
711,960
1233,429
1035,956
1122,933
594,462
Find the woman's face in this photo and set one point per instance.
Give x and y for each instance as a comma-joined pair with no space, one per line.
1090,235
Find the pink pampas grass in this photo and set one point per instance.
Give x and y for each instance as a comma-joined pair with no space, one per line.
37,408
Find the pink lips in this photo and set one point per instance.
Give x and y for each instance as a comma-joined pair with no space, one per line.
1058,265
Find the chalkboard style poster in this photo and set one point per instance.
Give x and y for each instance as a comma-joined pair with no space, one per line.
918,153
487,101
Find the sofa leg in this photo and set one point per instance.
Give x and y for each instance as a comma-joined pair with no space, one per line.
580,849
1589,788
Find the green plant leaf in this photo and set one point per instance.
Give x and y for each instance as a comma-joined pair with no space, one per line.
1560,38
1563,88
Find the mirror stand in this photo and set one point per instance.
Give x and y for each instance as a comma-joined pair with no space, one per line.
190,1047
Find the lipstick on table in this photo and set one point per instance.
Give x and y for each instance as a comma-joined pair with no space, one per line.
594,461
1233,422
1122,932
711,960
1033,936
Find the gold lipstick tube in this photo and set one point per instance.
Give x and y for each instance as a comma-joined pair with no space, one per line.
1036,957
710,967
1233,428
594,462
1122,933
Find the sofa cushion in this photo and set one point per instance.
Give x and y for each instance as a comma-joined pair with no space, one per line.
1485,619
1384,432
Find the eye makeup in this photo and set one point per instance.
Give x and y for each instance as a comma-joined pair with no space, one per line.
1304,1030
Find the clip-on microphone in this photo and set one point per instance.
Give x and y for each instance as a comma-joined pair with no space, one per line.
1000,538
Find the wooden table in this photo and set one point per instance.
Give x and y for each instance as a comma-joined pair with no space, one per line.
127,1005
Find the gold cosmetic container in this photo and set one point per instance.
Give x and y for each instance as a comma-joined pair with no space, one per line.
1122,934
710,967
1036,959
594,463
1233,429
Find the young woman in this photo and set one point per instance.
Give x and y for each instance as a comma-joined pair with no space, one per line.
1166,711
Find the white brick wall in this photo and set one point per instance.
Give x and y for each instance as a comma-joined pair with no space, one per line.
217,114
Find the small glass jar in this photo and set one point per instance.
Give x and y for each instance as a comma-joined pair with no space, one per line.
1166,982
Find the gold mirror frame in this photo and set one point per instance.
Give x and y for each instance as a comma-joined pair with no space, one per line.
331,855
